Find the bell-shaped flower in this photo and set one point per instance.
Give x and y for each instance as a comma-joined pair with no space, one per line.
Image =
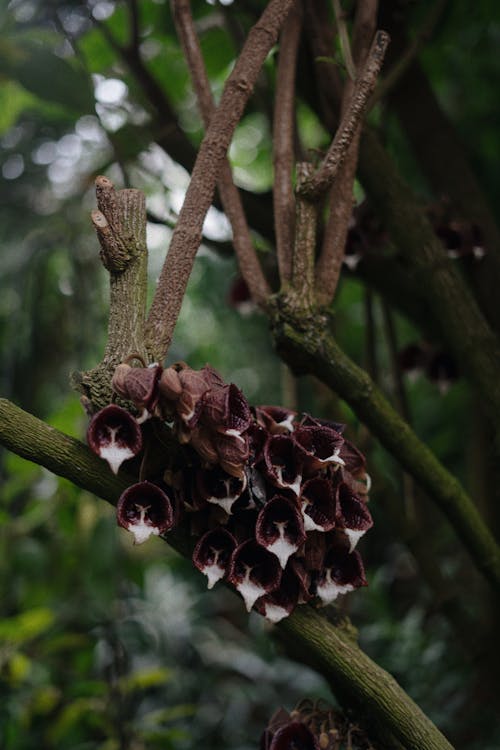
321,446
275,419
283,462
202,441
141,385
226,410
232,453
145,510
353,517
114,435
118,379
319,504
294,735
170,385
253,571
219,488
314,551
342,572
280,603
310,421
212,552
280,528
194,384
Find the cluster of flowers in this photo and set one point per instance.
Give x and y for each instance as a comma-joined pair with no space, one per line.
312,727
278,499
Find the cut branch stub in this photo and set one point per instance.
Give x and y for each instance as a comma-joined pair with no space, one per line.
120,223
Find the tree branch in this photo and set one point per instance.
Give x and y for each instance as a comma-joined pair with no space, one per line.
305,344
120,223
455,310
315,641
363,89
187,235
341,194
230,197
283,141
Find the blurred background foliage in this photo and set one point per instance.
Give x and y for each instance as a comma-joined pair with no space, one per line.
107,646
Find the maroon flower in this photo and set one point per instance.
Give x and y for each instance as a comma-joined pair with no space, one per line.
233,453
283,462
211,554
114,435
145,510
354,461
141,385
280,528
294,736
170,384
253,571
342,572
280,603
319,504
353,517
194,384
226,410
275,419
321,446
217,487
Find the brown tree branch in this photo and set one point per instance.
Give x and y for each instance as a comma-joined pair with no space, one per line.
230,197
314,640
120,223
341,194
364,87
283,141
187,235
305,343
306,217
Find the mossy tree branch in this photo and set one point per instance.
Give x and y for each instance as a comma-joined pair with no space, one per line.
120,223
305,343
315,640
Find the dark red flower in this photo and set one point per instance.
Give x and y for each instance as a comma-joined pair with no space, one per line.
283,464
225,409
318,500
280,528
342,572
233,453
211,554
353,517
294,736
217,487
321,446
253,571
145,510
114,435
275,419
141,385
280,603
170,384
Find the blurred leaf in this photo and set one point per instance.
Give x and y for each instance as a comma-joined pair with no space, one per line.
43,73
146,678
27,625
13,100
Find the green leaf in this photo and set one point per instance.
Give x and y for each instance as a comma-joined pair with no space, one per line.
49,77
27,625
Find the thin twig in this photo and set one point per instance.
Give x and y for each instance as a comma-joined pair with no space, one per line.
341,194
135,37
337,152
283,141
305,243
187,235
344,39
230,197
